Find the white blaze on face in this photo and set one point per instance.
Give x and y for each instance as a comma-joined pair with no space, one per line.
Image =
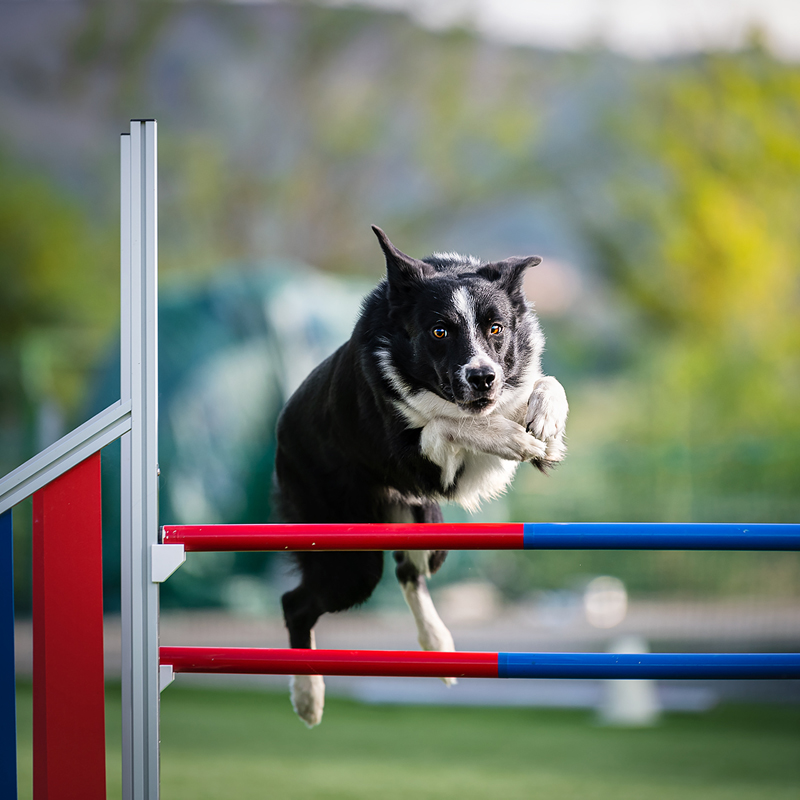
464,304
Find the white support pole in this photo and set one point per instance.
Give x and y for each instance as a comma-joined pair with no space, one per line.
125,454
139,384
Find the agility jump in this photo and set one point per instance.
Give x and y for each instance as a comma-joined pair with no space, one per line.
69,726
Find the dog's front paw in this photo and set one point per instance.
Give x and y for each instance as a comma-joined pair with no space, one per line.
555,449
547,414
530,448
308,698
514,443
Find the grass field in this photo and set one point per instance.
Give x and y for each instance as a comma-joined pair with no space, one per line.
243,745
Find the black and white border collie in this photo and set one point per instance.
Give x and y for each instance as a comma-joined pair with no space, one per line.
438,395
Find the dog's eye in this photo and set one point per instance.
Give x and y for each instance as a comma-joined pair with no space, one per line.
496,328
439,331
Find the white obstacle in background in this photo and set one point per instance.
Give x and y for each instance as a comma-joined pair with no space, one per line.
625,702
629,702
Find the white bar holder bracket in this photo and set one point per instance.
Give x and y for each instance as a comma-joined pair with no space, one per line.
165,676
164,560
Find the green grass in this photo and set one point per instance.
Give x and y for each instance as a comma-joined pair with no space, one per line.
232,744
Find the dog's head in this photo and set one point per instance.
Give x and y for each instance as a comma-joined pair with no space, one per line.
464,329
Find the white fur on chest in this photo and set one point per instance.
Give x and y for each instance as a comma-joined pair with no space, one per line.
477,475
484,477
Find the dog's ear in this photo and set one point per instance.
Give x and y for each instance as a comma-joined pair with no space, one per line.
401,270
509,272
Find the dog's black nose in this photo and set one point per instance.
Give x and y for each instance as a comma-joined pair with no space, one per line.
480,378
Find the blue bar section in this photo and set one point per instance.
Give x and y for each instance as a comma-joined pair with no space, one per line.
659,536
673,666
8,704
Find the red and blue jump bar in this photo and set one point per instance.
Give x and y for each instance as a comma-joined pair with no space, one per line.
486,536
403,663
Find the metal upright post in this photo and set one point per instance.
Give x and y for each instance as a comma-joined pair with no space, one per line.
139,384
125,457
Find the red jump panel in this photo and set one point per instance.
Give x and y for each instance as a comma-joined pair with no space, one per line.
394,536
69,748
274,661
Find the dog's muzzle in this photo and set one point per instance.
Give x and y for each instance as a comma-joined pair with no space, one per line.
480,379
479,387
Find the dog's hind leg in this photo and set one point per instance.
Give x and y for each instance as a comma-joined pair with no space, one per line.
412,567
301,611
308,696
331,582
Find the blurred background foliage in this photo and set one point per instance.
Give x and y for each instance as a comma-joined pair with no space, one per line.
662,194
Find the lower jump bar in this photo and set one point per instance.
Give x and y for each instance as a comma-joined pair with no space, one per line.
404,663
486,536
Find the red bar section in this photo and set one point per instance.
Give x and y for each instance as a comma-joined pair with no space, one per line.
390,536
69,749
273,661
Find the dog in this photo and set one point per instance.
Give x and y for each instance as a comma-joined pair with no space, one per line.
437,396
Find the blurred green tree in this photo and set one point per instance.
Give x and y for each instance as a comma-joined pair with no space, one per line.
698,231
702,238
60,282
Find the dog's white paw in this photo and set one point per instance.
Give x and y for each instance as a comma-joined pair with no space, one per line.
555,449
530,447
547,414
308,698
432,633
514,443
436,637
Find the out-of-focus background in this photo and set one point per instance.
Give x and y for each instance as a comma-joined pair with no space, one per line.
649,151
